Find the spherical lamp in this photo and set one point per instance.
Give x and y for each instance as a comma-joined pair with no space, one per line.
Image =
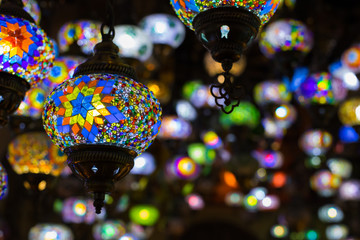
50,232
26,55
271,91
349,112
133,42
246,114
85,33
102,118
285,36
163,29
225,28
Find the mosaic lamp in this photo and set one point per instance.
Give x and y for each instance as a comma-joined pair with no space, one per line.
3,182
225,28
102,118
349,113
25,56
286,39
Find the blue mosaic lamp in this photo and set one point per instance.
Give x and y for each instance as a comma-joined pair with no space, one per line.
26,53
102,118
225,28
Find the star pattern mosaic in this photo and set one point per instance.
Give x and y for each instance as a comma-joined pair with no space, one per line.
25,50
102,108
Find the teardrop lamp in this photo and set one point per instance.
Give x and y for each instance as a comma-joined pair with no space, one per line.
102,118
225,28
26,53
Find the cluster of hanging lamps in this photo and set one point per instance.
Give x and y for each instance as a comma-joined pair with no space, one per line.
26,55
225,28
102,118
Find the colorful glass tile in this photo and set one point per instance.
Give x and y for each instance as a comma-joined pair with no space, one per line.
187,10
102,109
163,29
3,182
35,153
285,35
50,232
133,42
25,50
32,7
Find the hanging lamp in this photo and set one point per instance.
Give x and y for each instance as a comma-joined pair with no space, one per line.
26,53
225,28
102,118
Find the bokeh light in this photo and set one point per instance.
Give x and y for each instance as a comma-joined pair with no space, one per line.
173,127
279,231
183,168
337,231
271,92
146,215
195,201
200,153
330,213
108,230
50,232
315,142
144,164
350,190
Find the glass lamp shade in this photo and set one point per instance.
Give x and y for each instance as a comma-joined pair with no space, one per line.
102,109
315,142
108,230
214,68
175,128
245,114
188,10
26,54
78,210
320,88
146,215
133,42
85,33
183,167
351,58
349,112
102,118
33,152
163,29
50,232
144,164
348,134
3,182
285,35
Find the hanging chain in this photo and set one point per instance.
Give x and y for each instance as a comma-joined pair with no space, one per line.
109,22
227,94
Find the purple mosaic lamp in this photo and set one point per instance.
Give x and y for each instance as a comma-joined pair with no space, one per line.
26,53
102,118
225,28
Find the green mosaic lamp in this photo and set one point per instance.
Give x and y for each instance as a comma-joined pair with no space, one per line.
102,118
225,28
